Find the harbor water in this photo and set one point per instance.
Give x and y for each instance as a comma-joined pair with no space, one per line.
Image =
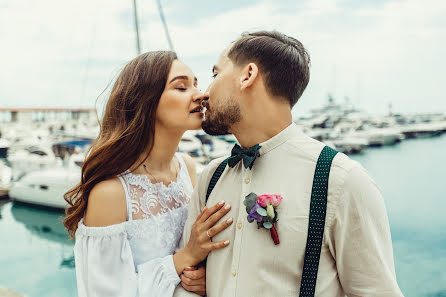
36,258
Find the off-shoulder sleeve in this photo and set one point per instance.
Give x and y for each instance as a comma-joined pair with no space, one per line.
105,266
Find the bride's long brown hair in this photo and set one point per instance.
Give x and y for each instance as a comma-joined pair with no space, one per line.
127,129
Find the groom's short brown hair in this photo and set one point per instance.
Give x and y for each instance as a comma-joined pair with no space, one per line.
282,60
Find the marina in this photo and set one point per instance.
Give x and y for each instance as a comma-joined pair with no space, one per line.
44,149
39,257
383,56
43,159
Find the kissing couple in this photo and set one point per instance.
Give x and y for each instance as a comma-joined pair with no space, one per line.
281,215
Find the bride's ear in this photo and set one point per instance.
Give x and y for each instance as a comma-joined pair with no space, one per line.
249,75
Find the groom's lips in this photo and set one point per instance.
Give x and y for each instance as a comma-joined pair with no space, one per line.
205,104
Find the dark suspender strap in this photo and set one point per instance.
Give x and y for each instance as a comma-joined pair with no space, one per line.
214,179
218,172
318,209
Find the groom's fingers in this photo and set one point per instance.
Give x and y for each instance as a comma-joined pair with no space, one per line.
196,289
193,282
197,274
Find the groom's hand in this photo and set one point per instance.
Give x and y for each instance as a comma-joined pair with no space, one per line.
194,280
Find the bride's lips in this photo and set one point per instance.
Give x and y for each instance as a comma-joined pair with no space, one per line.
197,109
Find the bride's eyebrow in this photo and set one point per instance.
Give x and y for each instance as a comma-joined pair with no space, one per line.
185,77
215,68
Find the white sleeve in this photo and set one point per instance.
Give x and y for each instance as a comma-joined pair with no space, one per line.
360,241
105,267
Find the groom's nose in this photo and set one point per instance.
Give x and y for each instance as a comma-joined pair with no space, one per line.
206,93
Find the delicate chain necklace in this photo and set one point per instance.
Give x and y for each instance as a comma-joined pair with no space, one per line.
156,181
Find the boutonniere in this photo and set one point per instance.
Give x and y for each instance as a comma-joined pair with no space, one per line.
262,209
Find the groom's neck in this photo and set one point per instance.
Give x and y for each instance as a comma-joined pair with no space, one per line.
260,124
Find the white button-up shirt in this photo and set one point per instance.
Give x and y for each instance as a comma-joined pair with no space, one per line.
356,256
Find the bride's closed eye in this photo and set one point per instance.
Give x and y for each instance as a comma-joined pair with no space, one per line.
181,88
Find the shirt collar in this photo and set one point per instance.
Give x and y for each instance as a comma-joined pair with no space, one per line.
279,138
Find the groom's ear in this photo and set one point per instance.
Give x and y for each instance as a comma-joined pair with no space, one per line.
249,75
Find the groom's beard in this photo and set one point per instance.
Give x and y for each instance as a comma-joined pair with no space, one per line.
220,119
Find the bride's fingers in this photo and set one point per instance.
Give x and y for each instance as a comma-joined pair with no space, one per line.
220,227
201,214
218,245
213,219
210,211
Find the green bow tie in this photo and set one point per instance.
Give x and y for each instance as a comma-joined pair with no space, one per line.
248,155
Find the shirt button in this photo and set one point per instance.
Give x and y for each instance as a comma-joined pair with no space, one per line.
234,273
247,180
239,225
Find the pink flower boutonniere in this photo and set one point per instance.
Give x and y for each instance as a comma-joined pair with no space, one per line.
262,209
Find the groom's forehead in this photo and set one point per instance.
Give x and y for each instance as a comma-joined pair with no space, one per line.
223,58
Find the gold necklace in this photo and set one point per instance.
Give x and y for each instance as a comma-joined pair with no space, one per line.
156,181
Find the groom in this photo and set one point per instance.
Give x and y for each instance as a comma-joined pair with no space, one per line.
257,81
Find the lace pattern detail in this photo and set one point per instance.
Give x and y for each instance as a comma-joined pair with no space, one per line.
149,200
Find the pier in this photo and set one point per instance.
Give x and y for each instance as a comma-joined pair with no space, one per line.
8,293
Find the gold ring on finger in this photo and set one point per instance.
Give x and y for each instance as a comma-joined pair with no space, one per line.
207,233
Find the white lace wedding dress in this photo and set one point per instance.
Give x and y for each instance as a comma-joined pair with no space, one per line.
134,258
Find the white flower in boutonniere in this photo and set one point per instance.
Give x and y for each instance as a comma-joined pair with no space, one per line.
262,209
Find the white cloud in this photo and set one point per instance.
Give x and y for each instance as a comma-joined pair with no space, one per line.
64,54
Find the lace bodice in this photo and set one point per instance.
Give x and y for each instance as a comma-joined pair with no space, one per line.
134,258
146,199
156,213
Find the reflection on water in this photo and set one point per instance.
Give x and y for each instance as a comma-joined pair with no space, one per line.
35,255
36,258
45,224
41,222
411,178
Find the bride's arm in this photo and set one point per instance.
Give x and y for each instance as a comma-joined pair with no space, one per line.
104,260
195,206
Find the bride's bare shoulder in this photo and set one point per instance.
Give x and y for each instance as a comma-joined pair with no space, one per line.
106,204
191,167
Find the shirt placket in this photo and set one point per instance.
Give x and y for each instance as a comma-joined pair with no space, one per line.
239,228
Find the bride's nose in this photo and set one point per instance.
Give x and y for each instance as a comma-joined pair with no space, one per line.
199,97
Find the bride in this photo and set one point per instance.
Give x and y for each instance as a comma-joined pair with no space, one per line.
127,213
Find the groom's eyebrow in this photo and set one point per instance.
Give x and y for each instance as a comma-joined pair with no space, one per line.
185,77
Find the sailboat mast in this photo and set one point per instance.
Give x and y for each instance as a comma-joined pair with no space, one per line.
138,44
166,30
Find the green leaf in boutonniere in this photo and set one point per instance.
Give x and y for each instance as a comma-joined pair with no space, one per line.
267,225
249,202
261,211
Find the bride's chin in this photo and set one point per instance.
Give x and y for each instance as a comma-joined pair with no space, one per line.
194,126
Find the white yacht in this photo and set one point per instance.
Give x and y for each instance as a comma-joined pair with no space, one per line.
5,179
47,187
4,147
379,136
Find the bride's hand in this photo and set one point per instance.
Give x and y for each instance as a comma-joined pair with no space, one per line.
204,228
200,243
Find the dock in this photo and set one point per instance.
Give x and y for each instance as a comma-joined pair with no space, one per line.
8,293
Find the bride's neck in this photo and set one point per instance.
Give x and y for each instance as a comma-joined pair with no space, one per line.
164,147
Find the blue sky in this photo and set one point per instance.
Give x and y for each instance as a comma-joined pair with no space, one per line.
59,53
